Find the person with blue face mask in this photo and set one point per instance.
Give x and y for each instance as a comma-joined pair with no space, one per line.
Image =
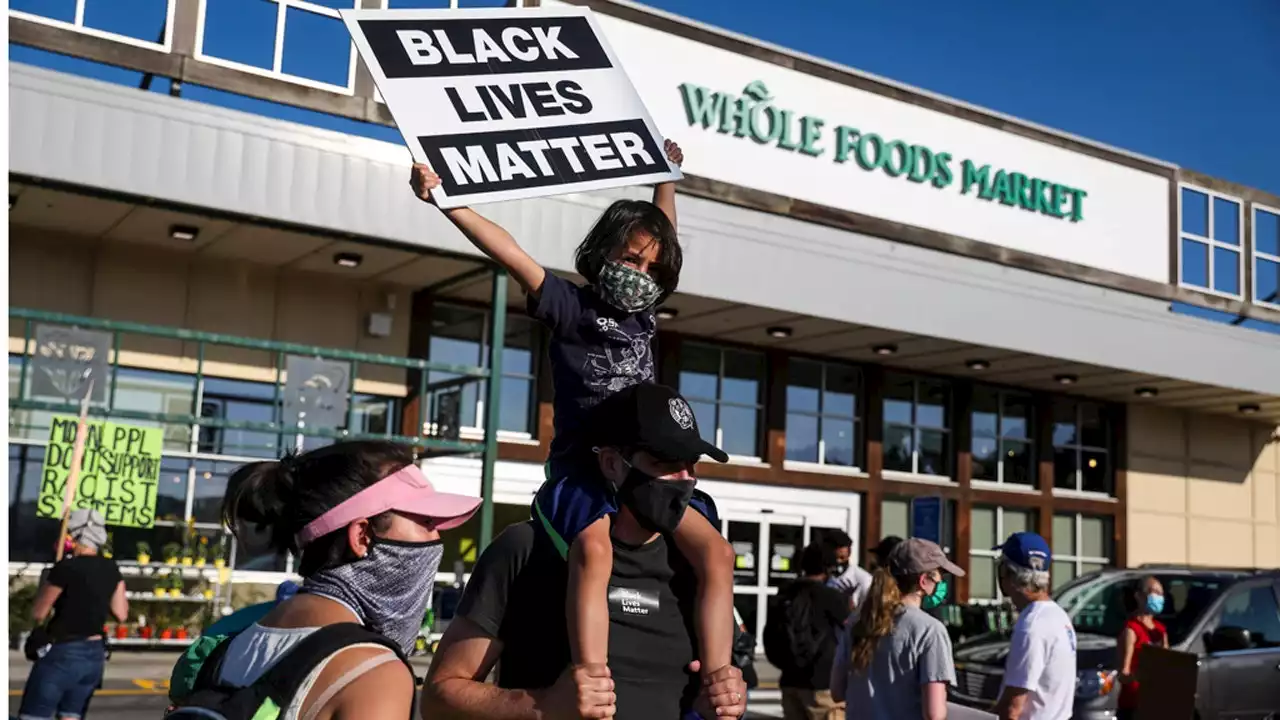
1141,630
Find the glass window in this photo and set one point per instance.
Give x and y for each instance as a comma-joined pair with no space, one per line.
1210,251
157,392
1081,447
724,388
459,336
1001,444
989,527
1266,257
241,401
895,518
1254,609
1081,545
916,426
1101,607
822,413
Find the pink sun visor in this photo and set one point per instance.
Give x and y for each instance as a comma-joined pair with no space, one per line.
406,491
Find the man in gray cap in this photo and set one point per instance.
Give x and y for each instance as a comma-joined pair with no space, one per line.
79,592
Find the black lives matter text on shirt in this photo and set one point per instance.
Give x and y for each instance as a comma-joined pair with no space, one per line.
453,47
474,163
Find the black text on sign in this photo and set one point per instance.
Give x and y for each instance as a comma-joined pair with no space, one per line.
515,159
452,48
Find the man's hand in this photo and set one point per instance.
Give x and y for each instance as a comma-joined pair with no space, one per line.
724,692
674,153
582,693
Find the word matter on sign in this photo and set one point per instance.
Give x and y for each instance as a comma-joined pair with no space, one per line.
510,104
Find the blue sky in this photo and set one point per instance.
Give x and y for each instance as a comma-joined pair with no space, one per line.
1192,83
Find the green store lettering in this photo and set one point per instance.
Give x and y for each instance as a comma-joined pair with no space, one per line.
753,114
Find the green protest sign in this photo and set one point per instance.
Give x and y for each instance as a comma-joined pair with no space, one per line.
118,474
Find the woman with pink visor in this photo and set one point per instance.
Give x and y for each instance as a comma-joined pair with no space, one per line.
365,524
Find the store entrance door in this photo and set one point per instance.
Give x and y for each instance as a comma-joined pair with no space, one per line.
767,549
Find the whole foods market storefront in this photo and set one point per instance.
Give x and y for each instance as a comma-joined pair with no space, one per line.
904,297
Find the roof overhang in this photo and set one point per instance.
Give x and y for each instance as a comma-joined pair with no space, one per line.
840,290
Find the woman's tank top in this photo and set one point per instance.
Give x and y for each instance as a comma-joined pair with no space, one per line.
256,650
1146,636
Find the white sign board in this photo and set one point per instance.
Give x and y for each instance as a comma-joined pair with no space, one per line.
510,103
809,138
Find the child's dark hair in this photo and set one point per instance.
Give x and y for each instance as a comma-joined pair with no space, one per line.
282,497
614,228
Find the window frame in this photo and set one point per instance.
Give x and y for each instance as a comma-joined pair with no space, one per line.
476,432
1212,243
1080,447
1077,556
717,402
948,431
859,402
1030,440
1256,255
1033,515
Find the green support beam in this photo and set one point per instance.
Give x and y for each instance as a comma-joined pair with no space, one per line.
493,401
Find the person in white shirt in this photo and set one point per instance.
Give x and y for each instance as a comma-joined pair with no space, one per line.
1040,672
847,577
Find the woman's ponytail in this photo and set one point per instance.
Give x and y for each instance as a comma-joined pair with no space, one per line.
875,618
261,495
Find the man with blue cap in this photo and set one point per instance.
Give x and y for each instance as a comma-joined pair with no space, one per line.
1040,672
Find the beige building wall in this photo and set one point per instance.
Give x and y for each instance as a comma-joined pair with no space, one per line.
156,286
1202,490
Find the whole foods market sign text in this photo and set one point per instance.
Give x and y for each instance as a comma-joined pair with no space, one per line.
753,115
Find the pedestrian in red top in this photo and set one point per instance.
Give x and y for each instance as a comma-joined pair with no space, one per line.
1141,630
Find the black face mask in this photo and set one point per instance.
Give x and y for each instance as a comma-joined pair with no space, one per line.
658,505
839,569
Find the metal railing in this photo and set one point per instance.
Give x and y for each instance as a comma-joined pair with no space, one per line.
424,392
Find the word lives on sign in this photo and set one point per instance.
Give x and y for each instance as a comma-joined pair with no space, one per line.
506,104
118,474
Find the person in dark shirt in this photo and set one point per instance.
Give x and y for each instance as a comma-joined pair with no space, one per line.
805,621
512,610
80,591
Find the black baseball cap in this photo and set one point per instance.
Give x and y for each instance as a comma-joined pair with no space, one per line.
649,417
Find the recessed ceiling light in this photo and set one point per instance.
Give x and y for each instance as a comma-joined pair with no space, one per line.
1249,408
779,332
885,349
348,259
1065,379
667,313
185,233
1147,392
977,364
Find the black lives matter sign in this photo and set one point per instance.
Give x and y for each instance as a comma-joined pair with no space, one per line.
510,104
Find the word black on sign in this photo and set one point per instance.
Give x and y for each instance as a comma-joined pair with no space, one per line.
512,103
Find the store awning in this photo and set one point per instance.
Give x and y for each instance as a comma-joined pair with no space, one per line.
841,294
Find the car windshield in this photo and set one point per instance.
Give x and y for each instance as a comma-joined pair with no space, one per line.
1099,606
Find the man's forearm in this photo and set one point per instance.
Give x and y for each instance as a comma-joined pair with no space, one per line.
461,699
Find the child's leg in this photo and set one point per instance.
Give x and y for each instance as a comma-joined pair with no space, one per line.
712,559
590,566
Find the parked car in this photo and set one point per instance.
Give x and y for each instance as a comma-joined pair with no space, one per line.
1229,618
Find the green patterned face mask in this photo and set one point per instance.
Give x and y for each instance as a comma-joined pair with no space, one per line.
627,288
936,598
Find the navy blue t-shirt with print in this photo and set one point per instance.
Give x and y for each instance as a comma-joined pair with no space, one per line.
596,350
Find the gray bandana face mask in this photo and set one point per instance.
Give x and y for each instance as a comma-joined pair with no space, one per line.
626,288
388,589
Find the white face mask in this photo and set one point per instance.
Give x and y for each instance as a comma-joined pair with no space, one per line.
389,588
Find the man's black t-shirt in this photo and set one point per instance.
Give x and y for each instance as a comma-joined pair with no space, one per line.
87,583
830,611
517,594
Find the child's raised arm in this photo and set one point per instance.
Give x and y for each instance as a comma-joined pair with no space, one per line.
664,194
488,236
